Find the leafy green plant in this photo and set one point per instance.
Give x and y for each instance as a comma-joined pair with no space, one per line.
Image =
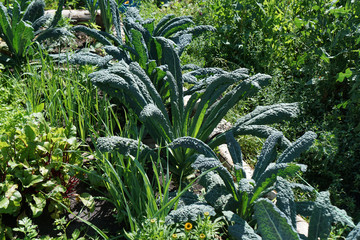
243,199
27,227
142,40
203,228
20,30
33,168
135,191
184,124
28,230
311,49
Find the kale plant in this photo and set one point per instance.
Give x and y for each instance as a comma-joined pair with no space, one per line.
243,199
21,29
139,40
169,121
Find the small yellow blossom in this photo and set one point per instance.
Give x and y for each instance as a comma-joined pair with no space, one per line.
202,236
153,220
206,214
127,2
188,226
174,236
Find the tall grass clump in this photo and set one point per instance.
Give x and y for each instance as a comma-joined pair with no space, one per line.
66,96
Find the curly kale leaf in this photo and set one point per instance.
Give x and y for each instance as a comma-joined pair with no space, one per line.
240,230
189,213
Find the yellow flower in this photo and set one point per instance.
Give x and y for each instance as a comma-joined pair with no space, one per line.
202,236
127,2
206,214
174,236
188,226
153,220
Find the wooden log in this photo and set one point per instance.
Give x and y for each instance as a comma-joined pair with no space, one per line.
78,16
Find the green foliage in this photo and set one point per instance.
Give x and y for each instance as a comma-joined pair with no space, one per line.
311,49
272,223
204,228
142,41
66,97
242,199
28,230
20,30
131,85
135,191
34,159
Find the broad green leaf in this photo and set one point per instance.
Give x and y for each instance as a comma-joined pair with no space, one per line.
92,33
193,143
34,11
298,147
136,69
23,37
272,223
269,114
16,12
88,200
355,233
162,22
116,18
58,14
10,202
203,164
346,74
58,189
285,200
4,203
170,57
324,215
150,26
4,145
241,230
178,24
29,133
140,47
268,178
155,120
125,146
38,204
39,108
236,155
267,155
219,109
29,179
5,26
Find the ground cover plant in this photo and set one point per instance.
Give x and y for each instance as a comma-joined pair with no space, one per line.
64,122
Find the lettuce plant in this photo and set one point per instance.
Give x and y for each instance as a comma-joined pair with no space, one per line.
20,29
242,199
